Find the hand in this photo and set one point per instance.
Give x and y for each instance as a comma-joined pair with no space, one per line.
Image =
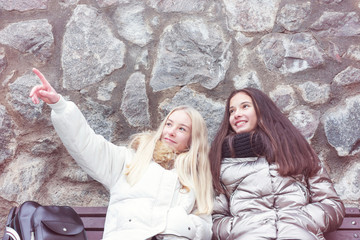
45,91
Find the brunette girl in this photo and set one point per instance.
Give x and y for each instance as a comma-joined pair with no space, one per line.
269,181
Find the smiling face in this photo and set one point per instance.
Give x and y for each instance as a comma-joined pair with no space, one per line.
242,112
177,131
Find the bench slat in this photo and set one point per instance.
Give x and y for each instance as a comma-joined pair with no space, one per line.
352,212
94,235
91,211
343,235
91,223
350,223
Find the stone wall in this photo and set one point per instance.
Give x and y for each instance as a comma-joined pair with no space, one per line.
127,62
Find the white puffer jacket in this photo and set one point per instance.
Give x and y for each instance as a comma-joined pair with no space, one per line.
154,205
261,204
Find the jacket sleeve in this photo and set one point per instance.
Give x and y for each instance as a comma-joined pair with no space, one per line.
101,159
325,207
222,219
181,225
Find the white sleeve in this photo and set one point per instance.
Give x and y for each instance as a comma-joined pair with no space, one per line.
101,159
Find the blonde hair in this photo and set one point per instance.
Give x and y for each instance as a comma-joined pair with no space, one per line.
193,166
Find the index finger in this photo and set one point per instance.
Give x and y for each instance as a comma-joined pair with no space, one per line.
42,78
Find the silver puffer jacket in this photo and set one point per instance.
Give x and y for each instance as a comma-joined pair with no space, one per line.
261,204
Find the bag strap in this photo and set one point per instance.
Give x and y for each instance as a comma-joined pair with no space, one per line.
10,218
11,233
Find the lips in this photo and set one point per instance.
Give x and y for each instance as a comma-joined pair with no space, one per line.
169,140
240,123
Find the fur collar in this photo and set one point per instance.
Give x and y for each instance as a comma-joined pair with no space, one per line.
164,155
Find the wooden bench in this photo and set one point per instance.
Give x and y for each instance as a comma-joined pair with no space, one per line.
94,219
349,229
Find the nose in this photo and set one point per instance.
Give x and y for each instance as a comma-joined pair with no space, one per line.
238,113
172,131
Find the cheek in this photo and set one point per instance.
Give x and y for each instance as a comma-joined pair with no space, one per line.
231,120
186,141
189,141
254,123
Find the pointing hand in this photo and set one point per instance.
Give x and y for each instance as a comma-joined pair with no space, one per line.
45,91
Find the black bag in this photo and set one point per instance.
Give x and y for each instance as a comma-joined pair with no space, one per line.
36,222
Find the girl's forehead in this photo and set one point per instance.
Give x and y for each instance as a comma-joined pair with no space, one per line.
240,97
180,116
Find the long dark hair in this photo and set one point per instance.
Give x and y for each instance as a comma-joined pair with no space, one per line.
281,141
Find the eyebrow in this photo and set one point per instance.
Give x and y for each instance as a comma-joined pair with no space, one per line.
241,104
181,124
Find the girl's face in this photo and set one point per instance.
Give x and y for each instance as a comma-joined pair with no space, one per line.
243,117
177,131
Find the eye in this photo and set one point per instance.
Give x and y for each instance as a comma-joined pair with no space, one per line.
168,124
231,111
182,129
245,106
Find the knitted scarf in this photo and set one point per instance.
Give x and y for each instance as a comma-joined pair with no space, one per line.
243,145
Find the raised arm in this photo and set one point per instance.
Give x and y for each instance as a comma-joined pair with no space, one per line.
44,91
101,159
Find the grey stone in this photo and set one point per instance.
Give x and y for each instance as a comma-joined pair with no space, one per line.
191,51
284,97
20,100
353,53
242,39
3,61
330,1
7,134
247,79
68,3
259,15
293,15
186,6
44,146
349,186
342,126
105,91
23,178
349,76
8,77
135,103
90,51
33,36
306,120
23,5
337,24
99,118
314,93
71,172
290,53
91,194
131,24
108,3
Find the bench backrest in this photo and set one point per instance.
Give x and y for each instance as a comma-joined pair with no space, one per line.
94,220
